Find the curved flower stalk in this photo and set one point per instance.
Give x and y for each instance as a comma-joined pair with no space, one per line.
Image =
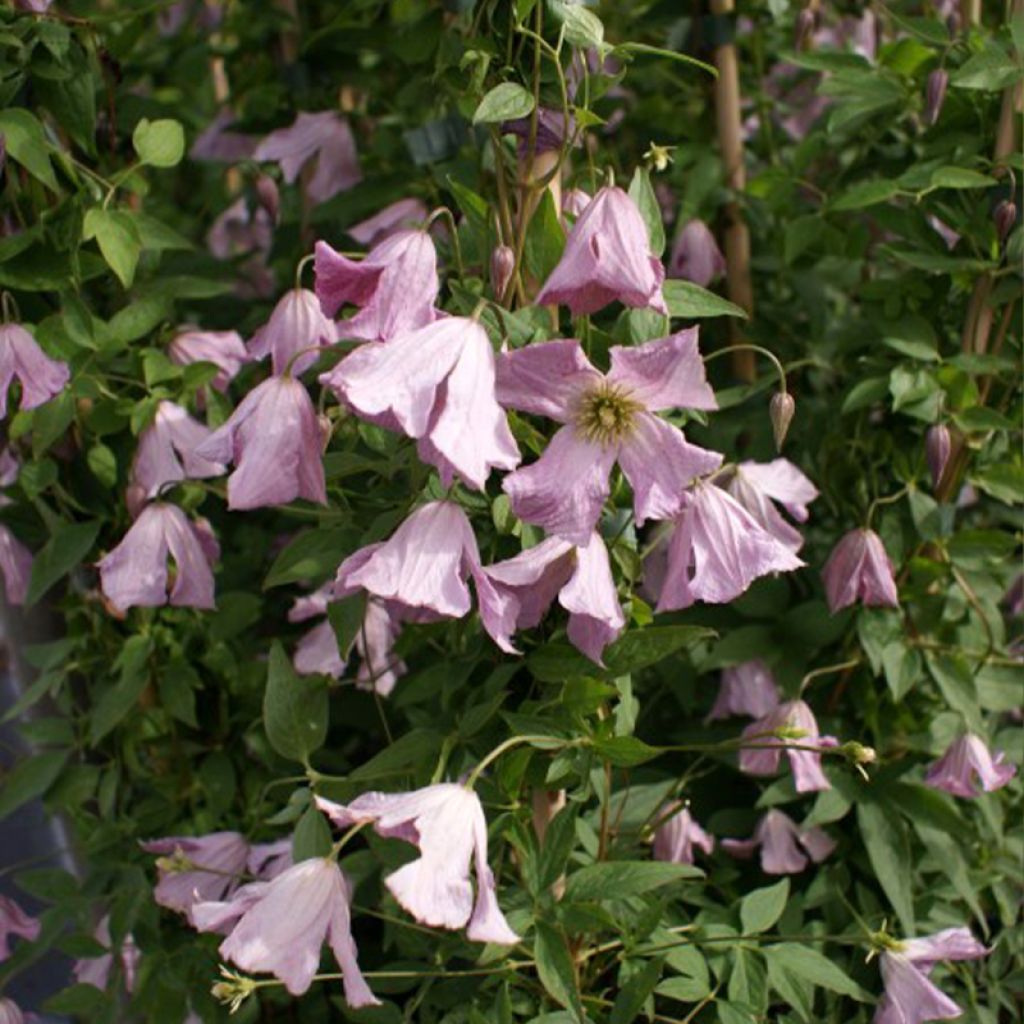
746,689
607,418
680,835
859,570
757,486
446,823
16,566
968,768
296,325
41,378
225,349
785,848
797,719
14,921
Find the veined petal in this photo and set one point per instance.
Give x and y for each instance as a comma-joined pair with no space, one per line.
545,379
664,374
590,598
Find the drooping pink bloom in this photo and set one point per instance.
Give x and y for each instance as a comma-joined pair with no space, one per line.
394,286
797,718
34,6
273,438
95,970
937,445
14,921
553,127
437,385
16,566
21,358
607,257
325,137
397,216
910,997
225,349
135,572
677,837
780,840
268,860
756,486
746,689
239,231
581,578
10,1012
608,418
716,550
217,142
695,255
859,569
948,235
446,823
196,869
317,652
167,451
297,324
280,926
968,763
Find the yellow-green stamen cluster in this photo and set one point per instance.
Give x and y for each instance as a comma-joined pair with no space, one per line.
605,415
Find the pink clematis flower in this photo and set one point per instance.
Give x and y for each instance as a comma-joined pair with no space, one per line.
296,324
676,839
274,440
95,970
747,689
135,572
15,565
607,256
280,927
21,358
796,717
437,385
859,569
780,841
195,869
268,860
217,142
14,921
607,418
756,486
446,823
717,549
397,216
695,255
325,137
225,349
239,231
910,997
167,452
966,764
317,652
10,1012
581,578
394,286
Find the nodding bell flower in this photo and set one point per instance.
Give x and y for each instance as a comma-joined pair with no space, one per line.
16,566
225,349
746,689
967,765
756,486
296,326
797,720
405,213
96,970
859,569
696,256
786,849
14,921
937,446
677,837
607,418
21,359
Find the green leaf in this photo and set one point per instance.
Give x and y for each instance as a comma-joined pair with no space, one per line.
177,682
119,699
68,546
960,177
641,191
159,143
581,27
992,69
30,778
118,238
807,963
102,464
311,557
294,709
556,970
761,908
637,649
1003,481
505,102
624,751
26,143
864,393
686,299
956,681
545,238
618,880
633,994
51,420
865,193
312,836
885,838
346,617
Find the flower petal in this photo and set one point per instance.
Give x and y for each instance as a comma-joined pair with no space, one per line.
545,378
664,374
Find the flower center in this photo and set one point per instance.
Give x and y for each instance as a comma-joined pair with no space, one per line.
605,415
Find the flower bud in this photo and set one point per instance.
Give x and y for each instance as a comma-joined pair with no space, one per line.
780,411
323,422
503,263
937,446
269,196
1005,217
856,753
935,94
806,22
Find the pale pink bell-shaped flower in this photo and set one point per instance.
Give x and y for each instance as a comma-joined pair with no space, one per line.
95,970
394,286
446,823
217,142
225,349
695,255
758,485
676,838
607,257
317,652
607,418
14,921
437,385
859,569
239,231
10,1012
910,997
167,451
135,573
397,216
296,325
21,358
968,764
196,869
746,689
324,136
274,440
16,566
785,847
763,759
716,550
580,577
268,860
280,926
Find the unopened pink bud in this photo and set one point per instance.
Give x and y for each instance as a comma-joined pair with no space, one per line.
324,423
937,446
780,412
503,263
935,95
1005,217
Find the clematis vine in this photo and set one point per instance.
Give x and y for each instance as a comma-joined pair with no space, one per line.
607,418
296,326
679,835
746,689
968,768
786,849
795,720
21,359
859,569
